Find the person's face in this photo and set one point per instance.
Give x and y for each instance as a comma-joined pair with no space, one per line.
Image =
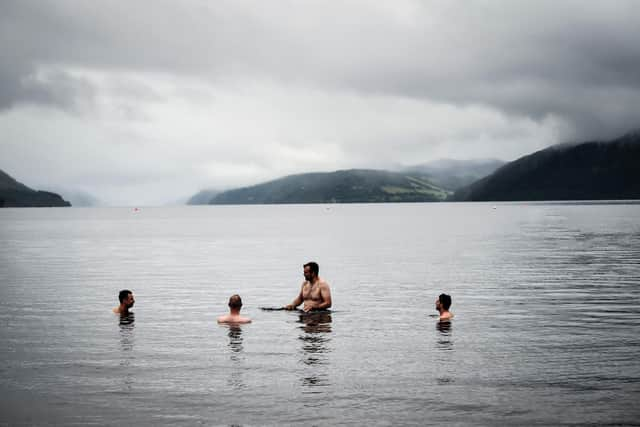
308,274
438,305
129,301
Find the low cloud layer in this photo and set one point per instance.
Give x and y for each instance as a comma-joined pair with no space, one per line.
148,102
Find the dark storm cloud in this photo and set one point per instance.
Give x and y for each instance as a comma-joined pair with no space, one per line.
576,60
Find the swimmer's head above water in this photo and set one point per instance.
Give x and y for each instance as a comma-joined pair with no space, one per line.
127,300
443,302
235,302
235,305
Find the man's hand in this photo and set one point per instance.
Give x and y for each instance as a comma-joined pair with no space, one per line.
289,307
310,305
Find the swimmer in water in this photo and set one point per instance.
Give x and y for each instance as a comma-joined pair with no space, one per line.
314,292
443,302
126,302
235,304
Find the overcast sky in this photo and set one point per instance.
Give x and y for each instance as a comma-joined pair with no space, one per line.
146,102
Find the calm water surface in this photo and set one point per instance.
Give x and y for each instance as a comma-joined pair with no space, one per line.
546,297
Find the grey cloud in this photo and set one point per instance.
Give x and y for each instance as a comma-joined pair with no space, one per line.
13,88
573,59
575,62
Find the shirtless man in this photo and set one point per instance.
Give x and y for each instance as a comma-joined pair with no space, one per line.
314,292
443,302
235,304
126,302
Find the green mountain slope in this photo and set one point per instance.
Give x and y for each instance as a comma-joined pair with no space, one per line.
346,186
586,171
16,194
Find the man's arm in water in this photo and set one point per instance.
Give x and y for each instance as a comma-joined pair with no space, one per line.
296,302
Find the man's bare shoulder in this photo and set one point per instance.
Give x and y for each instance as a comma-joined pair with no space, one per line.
232,319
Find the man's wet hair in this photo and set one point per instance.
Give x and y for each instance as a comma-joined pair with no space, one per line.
235,301
123,295
445,300
313,266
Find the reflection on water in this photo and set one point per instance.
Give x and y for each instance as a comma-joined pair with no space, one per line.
235,341
236,348
127,319
126,332
315,337
445,341
126,323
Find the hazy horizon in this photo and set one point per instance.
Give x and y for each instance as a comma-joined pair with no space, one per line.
80,198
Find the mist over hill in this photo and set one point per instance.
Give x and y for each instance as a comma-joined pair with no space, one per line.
16,194
594,170
203,197
77,198
452,174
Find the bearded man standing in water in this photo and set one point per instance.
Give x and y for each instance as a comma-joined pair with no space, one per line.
314,292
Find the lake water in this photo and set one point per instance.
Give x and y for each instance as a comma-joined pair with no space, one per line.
546,297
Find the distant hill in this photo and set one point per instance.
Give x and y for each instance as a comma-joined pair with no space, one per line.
585,171
453,174
203,197
16,194
345,186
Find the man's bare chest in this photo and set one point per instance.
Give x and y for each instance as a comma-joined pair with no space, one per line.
310,291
